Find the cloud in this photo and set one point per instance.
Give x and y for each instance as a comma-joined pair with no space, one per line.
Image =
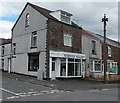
5,29
89,14
10,8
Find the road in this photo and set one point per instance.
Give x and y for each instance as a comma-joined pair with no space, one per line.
16,90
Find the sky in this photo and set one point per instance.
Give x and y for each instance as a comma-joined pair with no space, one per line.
88,15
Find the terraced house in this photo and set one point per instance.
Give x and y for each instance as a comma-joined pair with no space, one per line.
92,46
5,54
113,50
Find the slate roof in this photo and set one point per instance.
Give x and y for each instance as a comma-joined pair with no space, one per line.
5,41
41,10
88,34
44,12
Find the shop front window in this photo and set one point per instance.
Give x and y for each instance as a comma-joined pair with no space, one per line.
77,67
33,62
71,67
74,67
63,67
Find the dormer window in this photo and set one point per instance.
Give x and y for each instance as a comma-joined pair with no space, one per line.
27,20
62,16
65,18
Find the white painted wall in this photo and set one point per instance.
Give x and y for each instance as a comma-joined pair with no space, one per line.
7,52
22,38
86,49
56,14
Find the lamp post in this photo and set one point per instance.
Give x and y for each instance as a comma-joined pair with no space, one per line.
104,20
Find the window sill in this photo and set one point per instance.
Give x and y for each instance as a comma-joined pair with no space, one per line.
13,56
68,45
26,26
31,71
33,47
109,56
94,53
96,71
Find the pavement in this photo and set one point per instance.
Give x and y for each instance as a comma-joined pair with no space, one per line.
62,84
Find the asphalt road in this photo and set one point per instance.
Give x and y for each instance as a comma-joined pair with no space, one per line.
16,90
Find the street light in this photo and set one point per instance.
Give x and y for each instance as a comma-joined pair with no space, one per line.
104,20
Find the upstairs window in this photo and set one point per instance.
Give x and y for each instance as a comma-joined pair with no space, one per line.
3,50
34,39
27,20
14,48
109,51
93,47
67,40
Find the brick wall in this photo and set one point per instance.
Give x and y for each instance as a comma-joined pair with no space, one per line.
114,55
55,39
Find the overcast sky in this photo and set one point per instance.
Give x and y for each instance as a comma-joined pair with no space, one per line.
88,15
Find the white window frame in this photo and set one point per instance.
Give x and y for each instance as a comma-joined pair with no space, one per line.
93,47
74,62
109,51
67,37
65,16
92,66
27,21
14,48
111,65
34,35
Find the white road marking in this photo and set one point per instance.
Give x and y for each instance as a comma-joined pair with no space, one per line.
97,90
0,99
8,91
93,90
105,89
21,95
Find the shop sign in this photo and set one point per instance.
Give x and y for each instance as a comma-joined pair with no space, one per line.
73,56
112,70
